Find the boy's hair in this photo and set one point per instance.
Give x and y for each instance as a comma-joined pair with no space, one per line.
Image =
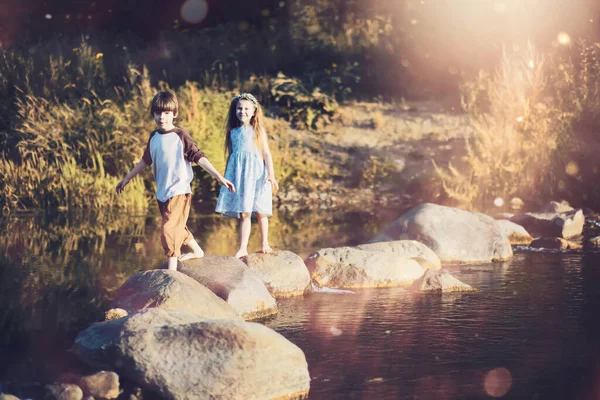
164,101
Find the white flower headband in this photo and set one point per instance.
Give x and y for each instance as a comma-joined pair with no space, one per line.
246,96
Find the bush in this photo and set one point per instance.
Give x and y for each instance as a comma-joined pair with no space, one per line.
518,123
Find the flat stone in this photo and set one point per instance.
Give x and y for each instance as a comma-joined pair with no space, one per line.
283,272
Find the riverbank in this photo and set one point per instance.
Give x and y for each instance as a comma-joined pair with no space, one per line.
377,155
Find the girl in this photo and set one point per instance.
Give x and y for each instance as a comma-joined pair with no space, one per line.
250,169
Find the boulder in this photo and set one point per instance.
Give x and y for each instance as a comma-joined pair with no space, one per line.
348,267
171,290
63,391
555,243
515,233
231,280
115,313
562,224
455,235
283,272
440,282
206,359
101,385
407,249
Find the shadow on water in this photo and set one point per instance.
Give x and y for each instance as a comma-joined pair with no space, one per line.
531,332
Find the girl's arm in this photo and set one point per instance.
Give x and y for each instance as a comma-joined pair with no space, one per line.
269,162
208,167
136,170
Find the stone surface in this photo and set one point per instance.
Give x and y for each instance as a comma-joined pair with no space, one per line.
283,272
565,224
515,233
456,236
440,281
95,345
171,290
163,351
101,385
115,313
407,249
348,267
555,243
63,391
231,280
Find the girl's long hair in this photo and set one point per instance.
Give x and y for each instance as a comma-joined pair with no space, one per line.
232,122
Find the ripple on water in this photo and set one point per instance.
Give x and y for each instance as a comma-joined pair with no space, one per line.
523,333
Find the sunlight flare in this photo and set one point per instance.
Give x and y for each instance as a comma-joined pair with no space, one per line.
564,38
194,11
497,382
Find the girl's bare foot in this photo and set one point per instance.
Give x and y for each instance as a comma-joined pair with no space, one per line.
241,253
192,255
265,248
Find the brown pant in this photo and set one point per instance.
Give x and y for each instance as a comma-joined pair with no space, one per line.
175,213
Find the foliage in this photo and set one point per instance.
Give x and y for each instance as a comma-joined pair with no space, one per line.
306,108
517,123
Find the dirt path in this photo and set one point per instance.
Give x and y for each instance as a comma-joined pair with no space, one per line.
381,155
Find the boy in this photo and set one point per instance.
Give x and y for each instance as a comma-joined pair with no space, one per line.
170,150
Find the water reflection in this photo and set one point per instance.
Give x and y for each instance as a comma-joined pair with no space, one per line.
525,335
60,271
530,331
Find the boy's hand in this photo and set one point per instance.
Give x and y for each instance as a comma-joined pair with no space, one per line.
121,185
227,183
273,181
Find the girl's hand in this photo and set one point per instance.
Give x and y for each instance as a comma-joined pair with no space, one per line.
227,183
271,178
121,185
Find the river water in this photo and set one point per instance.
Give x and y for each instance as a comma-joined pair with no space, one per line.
531,332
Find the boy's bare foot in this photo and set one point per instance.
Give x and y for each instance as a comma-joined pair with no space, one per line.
241,253
192,255
265,248
172,263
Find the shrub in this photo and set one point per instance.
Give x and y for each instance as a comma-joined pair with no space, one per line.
518,122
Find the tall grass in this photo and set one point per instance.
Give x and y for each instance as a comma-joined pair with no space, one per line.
70,136
519,120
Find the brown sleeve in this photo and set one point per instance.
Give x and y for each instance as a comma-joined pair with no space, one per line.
190,150
147,158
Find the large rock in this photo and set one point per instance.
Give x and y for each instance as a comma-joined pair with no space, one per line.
204,359
348,267
96,345
231,280
406,249
63,391
456,236
171,290
561,224
440,282
515,233
283,272
101,385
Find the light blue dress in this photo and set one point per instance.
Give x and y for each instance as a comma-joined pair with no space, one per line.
247,170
